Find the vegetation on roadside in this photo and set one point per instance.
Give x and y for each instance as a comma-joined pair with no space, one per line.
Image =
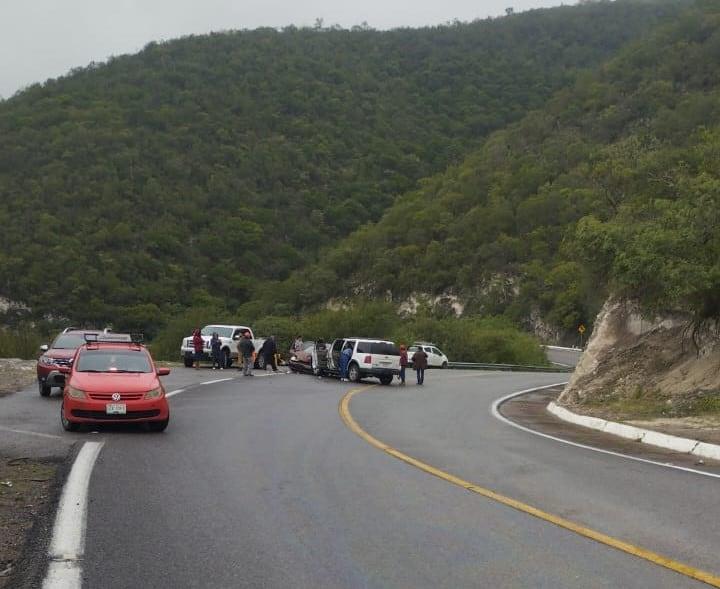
650,404
20,342
209,163
491,340
202,179
612,188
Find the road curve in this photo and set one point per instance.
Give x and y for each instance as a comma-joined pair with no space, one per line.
258,483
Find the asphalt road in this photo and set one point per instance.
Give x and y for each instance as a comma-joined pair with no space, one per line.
258,483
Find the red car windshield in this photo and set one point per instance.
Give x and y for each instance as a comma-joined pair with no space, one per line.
68,341
113,361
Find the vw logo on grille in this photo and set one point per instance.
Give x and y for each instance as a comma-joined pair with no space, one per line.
116,396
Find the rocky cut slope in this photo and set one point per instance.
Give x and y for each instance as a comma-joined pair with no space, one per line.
650,369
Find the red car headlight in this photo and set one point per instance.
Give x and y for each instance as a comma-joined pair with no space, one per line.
153,394
74,393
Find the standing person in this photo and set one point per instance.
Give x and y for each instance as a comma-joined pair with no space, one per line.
198,345
345,356
403,364
297,344
269,350
216,347
420,363
246,349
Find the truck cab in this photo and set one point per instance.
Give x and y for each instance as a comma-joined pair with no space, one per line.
229,337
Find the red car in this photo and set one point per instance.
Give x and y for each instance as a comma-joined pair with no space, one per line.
113,382
56,356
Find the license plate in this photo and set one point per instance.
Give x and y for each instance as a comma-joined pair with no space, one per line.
115,409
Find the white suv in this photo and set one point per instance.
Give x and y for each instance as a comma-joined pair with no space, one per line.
229,337
370,357
436,358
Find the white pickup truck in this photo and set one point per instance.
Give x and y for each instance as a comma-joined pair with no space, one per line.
229,337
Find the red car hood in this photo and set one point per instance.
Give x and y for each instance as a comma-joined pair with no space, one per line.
62,353
107,382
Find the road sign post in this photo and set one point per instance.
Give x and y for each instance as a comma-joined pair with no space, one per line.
581,330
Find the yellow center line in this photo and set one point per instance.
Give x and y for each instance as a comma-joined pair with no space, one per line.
648,555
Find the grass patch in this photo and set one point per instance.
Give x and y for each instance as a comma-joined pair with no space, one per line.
644,408
20,342
645,404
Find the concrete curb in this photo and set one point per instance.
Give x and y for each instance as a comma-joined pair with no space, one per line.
644,436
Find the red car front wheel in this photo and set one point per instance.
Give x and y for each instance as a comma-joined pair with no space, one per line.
68,426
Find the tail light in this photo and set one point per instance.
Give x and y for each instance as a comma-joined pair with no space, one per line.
368,359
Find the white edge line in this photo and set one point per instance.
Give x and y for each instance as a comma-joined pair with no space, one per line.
214,381
494,410
173,393
28,433
68,540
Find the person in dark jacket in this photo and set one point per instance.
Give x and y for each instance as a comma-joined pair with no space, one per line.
403,364
419,360
216,348
246,350
198,345
269,350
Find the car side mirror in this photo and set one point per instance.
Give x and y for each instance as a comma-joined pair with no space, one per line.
163,371
44,348
236,337
64,369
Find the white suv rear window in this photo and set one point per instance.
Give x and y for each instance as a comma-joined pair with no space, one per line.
384,348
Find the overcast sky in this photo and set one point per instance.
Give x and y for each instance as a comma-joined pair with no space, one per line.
42,39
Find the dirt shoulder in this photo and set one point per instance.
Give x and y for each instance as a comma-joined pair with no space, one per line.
15,375
29,487
28,490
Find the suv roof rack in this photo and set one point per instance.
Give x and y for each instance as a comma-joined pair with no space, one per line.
94,340
109,338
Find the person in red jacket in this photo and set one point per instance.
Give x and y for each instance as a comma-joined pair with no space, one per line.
198,345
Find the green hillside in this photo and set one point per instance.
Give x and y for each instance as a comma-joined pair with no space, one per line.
136,188
612,188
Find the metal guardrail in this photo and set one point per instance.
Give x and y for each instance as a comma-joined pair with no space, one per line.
508,367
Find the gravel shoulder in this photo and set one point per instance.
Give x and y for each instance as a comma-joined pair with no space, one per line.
29,486
15,375
27,496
